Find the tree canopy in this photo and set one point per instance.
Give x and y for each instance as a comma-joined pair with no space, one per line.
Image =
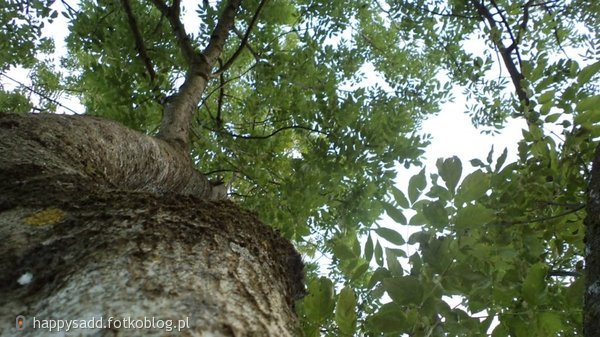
289,124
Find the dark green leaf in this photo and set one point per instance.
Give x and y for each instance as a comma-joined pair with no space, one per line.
436,214
394,213
368,248
450,170
393,265
416,184
404,290
400,198
390,235
501,160
389,319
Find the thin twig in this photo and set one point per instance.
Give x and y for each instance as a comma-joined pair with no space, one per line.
41,94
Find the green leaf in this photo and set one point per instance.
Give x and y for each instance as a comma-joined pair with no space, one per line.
404,290
378,254
501,160
416,184
474,186
490,155
389,319
473,215
534,283
378,275
342,250
586,73
390,235
393,265
394,213
589,104
450,170
436,213
345,312
319,302
575,293
546,97
550,323
368,253
588,117
400,198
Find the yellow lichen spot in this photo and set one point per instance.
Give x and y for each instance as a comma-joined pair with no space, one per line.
49,216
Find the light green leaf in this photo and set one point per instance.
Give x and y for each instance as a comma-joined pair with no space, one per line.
319,302
534,283
589,104
546,97
473,187
473,215
550,323
345,312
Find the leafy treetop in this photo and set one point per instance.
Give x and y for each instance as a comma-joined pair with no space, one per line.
287,119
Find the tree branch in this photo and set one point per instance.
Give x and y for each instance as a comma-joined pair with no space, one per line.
299,127
139,41
244,40
509,63
563,273
541,219
248,46
219,35
218,119
183,40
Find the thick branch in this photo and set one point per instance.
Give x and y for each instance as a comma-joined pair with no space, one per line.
178,113
221,32
139,41
105,153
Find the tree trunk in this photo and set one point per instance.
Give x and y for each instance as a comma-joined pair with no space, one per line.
98,226
591,312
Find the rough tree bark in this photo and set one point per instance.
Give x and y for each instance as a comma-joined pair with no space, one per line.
100,221
591,319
